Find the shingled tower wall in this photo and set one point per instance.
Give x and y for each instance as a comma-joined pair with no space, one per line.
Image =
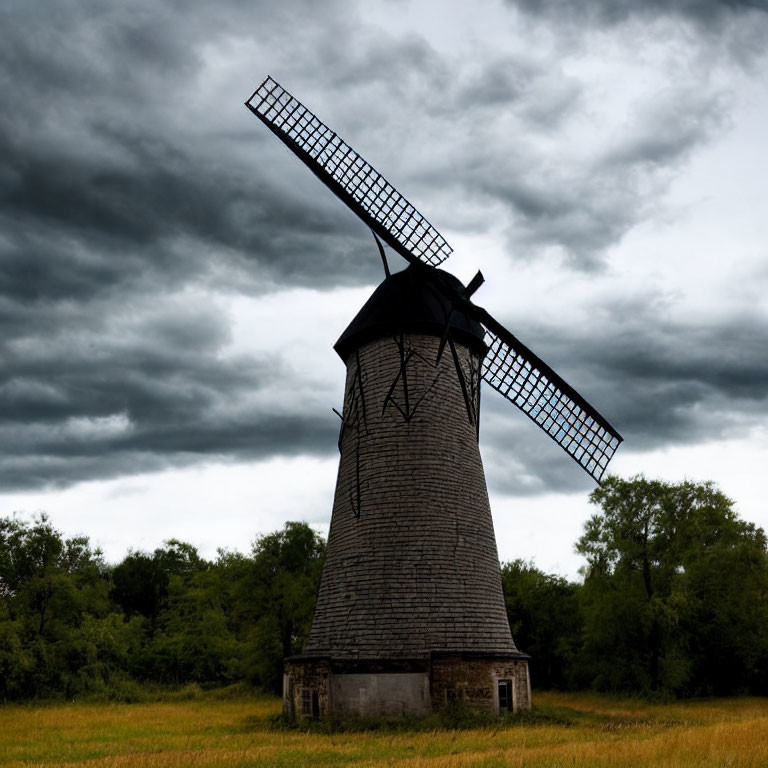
410,614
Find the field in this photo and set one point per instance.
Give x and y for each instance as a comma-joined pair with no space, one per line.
564,730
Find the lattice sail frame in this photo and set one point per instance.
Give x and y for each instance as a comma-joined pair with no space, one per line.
512,370
509,367
347,174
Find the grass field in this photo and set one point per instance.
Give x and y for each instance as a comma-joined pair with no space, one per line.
564,730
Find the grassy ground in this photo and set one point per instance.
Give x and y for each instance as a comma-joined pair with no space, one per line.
564,730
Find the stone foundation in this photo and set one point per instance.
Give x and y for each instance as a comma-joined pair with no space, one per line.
307,689
318,687
481,682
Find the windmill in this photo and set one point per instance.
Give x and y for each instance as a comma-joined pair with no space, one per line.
410,615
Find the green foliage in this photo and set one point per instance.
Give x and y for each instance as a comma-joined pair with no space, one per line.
72,626
52,592
674,597
545,619
281,583
193,640
674,602
140,585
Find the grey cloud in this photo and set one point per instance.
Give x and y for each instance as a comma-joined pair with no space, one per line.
610,12
546,193
119,189
60,463
584,205
143,192
716,31
165,194
108,152
659,382
519,459
688,382
118,395
662,134
538,92
372,60
665,382
118,192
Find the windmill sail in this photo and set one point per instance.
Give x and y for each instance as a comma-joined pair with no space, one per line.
527,381
346,174
509,367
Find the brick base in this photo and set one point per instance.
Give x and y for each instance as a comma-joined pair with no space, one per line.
307,689
322,687
476,682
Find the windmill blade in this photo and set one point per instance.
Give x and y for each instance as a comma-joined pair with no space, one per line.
547,399
346,174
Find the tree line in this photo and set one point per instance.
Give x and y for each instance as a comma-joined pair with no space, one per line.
73,625
673,601
674,598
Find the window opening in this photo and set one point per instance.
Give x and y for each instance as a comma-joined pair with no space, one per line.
505,695
315,706
306,702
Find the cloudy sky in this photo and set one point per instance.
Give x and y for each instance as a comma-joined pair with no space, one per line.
172,279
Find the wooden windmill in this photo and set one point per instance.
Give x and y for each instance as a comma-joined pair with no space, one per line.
410,614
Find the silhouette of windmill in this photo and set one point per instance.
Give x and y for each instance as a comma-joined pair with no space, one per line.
410,614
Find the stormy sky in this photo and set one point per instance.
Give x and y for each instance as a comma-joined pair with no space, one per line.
172,279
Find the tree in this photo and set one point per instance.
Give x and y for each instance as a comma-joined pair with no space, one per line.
140,582
675,589
280,588
140,585
546,623
52,590
71,625
194,640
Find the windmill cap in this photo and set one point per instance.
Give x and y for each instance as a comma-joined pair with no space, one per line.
411,301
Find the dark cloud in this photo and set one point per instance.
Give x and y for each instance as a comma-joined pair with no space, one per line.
585,203
144,389
659,382
135,184
724,31
685,382
519,459
143,199
113,149
611,12
666,131
124,196
94,455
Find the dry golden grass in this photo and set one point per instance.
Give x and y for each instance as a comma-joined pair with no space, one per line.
567,730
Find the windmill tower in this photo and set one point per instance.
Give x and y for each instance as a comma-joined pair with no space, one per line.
410,614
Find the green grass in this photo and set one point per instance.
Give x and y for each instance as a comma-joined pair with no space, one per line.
229,728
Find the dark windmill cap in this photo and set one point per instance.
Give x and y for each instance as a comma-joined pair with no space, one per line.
411,301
